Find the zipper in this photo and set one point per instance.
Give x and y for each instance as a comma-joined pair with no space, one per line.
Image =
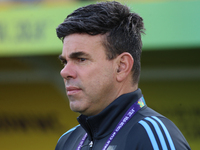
91,144
90,135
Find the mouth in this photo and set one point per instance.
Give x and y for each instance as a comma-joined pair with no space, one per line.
72,90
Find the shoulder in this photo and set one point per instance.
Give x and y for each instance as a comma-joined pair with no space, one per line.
158,132
68,132
74,132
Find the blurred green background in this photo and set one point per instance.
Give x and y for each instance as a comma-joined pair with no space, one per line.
34,110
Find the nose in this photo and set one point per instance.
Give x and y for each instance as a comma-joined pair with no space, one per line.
68,71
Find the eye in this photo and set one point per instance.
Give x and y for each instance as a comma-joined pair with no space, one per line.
82,59
63,62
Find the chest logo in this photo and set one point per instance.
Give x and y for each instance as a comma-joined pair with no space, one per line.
111,147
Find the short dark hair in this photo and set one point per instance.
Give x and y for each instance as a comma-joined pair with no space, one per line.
122,29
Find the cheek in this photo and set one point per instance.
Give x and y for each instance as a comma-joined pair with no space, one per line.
99,81
94,78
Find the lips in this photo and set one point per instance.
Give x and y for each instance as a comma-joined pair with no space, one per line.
71,90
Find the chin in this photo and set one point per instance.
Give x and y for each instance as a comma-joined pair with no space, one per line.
75,108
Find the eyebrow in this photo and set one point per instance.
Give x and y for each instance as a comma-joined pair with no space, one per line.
74,55
61,57
78,54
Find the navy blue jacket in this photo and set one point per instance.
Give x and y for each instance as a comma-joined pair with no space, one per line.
146,130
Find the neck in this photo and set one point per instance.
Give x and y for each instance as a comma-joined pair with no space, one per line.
126,87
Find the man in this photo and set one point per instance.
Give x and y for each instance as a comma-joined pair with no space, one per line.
101,56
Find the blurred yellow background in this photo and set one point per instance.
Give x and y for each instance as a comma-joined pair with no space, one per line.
34,110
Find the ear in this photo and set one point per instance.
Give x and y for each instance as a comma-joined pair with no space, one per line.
124,63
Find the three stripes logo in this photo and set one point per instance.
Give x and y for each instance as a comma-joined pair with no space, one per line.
158,133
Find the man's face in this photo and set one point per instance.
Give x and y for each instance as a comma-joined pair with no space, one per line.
88,75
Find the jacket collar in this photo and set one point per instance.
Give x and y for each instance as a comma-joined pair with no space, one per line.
103,124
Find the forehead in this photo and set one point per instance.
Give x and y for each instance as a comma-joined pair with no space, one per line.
83,43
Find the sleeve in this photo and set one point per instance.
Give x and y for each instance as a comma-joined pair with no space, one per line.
138,139
155,133
63,139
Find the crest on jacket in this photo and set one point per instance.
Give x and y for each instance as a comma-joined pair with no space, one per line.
112,147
